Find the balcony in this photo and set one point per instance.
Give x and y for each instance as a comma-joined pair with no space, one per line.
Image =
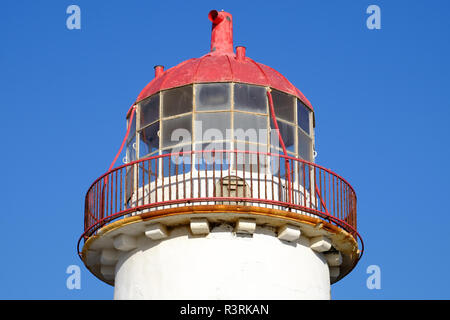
213,178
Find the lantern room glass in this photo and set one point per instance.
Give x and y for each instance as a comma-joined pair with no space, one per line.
229,115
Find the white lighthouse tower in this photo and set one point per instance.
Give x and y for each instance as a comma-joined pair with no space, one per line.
219,196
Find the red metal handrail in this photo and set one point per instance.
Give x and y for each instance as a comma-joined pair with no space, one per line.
220,176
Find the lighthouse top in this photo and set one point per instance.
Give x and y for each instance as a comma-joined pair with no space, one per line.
221,64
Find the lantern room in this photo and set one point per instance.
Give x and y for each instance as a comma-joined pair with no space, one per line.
220,116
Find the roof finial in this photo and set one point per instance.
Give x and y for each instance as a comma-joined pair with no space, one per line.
222,31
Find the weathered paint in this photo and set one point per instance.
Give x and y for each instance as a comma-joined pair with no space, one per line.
221,65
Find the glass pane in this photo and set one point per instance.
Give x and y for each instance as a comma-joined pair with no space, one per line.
212,126
212,157
149,140
148,167
131,150
283,105
129,183
132,133
276,161
213,146
250,127
250,158
304,146
250,148
175,131
287,134
175,163
212,96
250,98
303,116
149,110
177,101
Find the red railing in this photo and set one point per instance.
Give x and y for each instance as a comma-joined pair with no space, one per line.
220,177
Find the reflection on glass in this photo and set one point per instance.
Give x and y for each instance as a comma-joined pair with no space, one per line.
174,162
131,150
212,96
211,157
250,98
129,183
177,101
177,130
149,110
250,127
132,133
287,132
149,140
251,156
212,126
304,146
303,116
283,105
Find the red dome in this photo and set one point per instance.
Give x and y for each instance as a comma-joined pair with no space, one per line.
221,65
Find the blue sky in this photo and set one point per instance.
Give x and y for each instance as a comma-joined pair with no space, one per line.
382,122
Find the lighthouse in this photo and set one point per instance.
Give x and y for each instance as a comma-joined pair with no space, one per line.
219,195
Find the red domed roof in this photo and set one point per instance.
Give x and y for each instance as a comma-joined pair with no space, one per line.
221,65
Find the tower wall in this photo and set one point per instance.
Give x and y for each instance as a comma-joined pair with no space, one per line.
222,265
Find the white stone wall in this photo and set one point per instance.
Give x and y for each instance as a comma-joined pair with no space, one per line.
243,261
